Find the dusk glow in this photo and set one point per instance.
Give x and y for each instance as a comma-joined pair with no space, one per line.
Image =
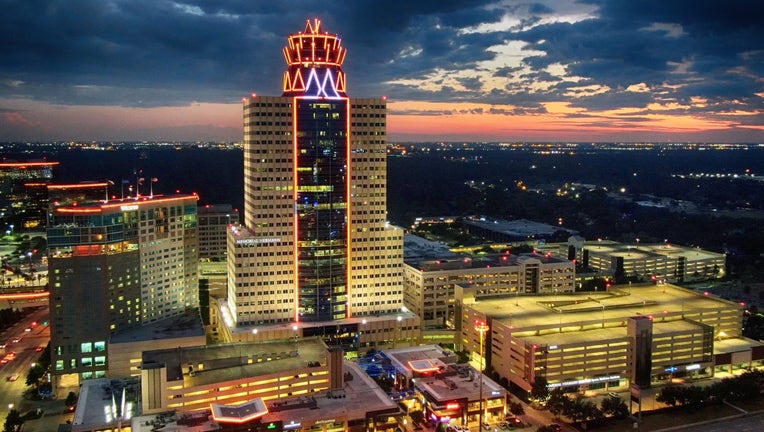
604,70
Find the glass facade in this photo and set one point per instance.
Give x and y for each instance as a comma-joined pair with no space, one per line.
321,159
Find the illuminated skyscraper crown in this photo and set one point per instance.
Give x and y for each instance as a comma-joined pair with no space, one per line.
314,64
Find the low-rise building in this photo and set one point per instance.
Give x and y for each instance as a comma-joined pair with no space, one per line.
429,281
660,261
445,391
275,386
641,335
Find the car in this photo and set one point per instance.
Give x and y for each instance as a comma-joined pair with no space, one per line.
28,329
613,394
16,339
39,348
8,357
13,377
555,427
513,421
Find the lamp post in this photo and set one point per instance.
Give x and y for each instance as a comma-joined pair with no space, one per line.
397,330
296,339
481,327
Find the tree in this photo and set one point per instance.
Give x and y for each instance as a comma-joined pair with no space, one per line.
35,374
13,421
71,400
417,416
614,407
670,395
539,390
557,402
580,411
516,408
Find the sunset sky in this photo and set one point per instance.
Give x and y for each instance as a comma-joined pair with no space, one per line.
551,70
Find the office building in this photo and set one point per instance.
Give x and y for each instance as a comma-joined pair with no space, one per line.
214,220
23,197
116,266
659,261
69,193
498,230
429,282
315,248
642,334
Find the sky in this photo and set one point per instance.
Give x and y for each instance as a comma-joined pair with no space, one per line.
452,70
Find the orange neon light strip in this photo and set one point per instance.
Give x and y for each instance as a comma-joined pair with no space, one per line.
78,185
24,296
26,164
295,222
144,200
349,231
148,200
78,210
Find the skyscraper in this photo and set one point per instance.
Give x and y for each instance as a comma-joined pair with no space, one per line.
23,194
315,246
113,267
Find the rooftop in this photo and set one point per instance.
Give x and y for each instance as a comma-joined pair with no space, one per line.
458,262
232,361
641,250
100,402
415,248
188,324
444,379
525,313
520,227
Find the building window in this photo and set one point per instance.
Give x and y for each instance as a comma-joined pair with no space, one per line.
86,347
100,346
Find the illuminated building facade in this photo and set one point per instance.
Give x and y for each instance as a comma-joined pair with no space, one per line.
23,197
315,246
214,220
114,267
644,334
429,282
658,261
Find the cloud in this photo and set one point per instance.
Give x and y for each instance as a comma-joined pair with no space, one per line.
590,54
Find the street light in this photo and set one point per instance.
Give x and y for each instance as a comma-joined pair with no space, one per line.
397,330
481,327
296,340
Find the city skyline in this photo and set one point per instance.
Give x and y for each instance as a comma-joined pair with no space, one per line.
477,71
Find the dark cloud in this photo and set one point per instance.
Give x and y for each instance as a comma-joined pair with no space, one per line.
158,52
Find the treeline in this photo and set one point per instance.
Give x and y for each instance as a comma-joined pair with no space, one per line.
580,411
744,387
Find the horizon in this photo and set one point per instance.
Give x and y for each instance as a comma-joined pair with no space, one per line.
483,71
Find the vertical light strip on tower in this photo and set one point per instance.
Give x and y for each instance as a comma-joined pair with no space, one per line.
316,83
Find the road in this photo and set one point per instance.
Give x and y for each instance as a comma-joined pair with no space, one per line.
753,423
26,354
